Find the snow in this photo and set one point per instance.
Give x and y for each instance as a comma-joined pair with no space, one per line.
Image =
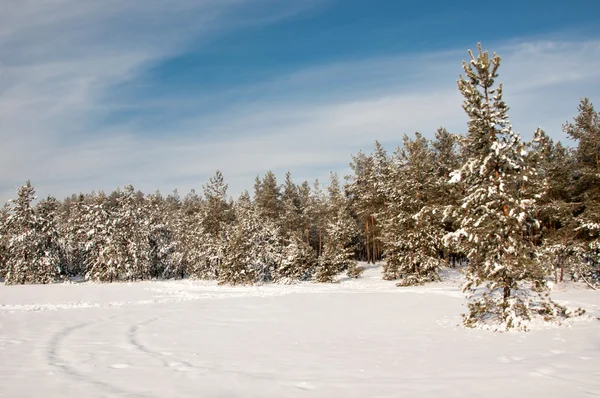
357,338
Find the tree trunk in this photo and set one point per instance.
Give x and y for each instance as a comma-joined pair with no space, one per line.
367,241
320,242
561,274
374,258
307,234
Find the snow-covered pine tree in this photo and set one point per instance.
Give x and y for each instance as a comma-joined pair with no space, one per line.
72,240
291,222
555,208
305,218
318,212
496,217
163,262
97,230
176,223
132,235
444,197
298,261
203,222
411,233
445,153
215,209
199,248
32,252
116,236
341,236
361,191
251,247
585,129
267,196
3,239
366,189
47,214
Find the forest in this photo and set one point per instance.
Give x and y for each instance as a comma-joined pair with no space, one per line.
513,214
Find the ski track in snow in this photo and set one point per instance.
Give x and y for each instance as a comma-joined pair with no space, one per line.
357,338
55,359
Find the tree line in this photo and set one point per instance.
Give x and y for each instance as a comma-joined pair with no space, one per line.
514,212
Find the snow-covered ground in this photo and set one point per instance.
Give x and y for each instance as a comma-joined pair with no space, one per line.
359,338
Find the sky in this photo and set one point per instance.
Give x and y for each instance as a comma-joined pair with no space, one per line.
161,93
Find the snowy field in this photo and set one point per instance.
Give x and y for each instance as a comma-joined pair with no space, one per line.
358,338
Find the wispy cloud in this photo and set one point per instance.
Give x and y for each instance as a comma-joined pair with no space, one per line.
65,58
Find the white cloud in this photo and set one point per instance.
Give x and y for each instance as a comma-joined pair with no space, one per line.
64,58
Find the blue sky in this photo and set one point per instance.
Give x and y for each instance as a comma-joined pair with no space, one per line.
160,94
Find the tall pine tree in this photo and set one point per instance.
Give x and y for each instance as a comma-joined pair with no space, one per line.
585,129
496,218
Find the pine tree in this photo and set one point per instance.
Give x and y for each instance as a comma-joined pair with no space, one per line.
132,236
216,210
318,213
201,224
585,129
341,233
116,234
267,197
444,196
33,252
97,230
176,222
338,253
163,261
251,246
48,226
554,208
411,236
3,239
72,239
298,262
496,212
198,241
304,205
366,190
291,221
444,153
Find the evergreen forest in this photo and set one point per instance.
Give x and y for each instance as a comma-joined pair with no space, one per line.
513,215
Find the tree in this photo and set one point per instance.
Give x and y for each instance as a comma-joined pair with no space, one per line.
163,261
554,208
251,246
304,204
444,196
318,213
367,190
33,253
215,207
496,217
298,262
116,233
130,234
291,216
97,229
338,252
267,197
198,241
72,239
585,129
3,239
340,238
410,234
